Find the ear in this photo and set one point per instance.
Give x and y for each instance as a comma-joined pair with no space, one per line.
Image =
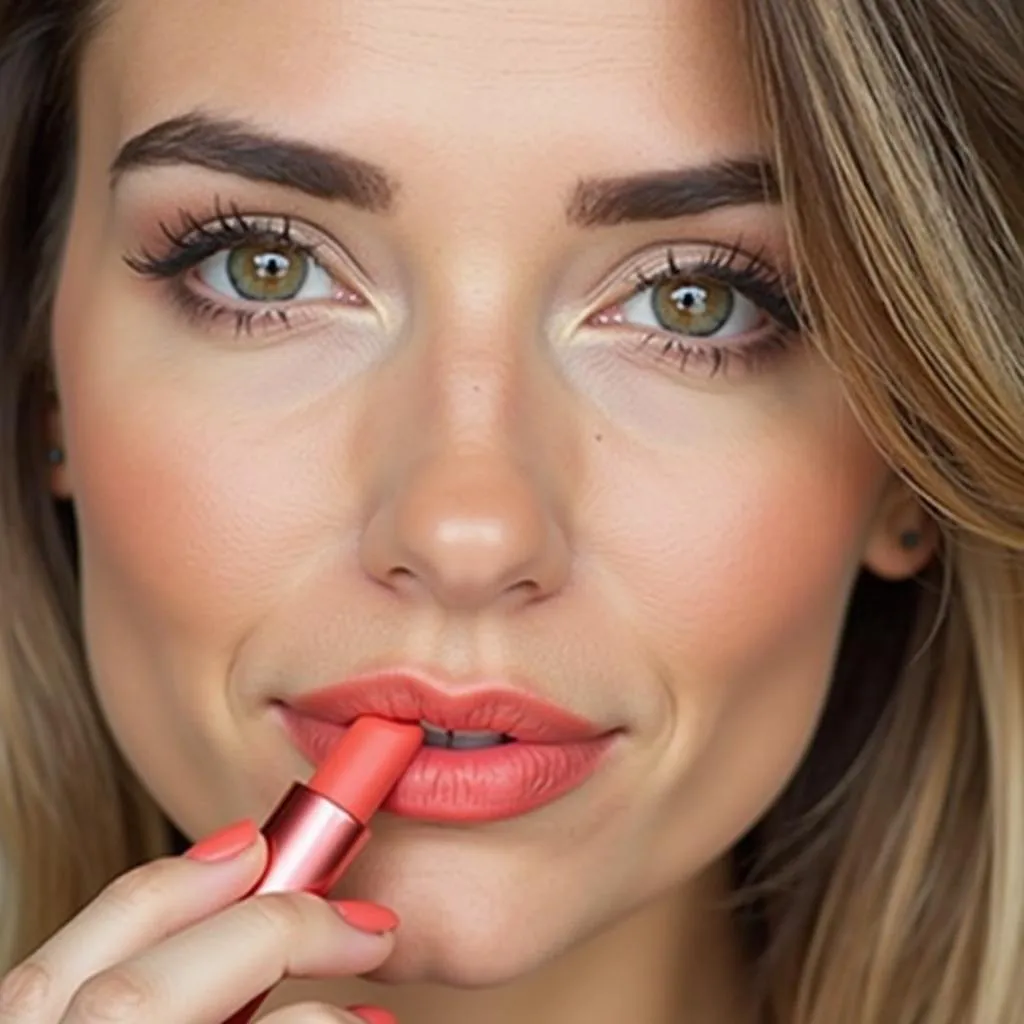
904,537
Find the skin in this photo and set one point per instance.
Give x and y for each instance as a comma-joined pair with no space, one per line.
462,473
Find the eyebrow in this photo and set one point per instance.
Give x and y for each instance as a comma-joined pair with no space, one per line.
666,195
233,146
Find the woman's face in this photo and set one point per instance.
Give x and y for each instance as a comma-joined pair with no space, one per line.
494,388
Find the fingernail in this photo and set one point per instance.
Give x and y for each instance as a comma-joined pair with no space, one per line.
373,1014
367,917
225,843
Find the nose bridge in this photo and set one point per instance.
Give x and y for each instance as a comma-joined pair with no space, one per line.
470,513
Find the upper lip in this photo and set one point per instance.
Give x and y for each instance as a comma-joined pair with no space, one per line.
403,696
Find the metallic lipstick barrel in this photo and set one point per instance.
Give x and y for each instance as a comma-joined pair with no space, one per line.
316,831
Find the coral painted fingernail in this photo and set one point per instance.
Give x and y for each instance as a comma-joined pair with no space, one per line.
373,1014
367,917
226,843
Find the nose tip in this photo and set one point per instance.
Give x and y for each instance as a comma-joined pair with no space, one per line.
469,532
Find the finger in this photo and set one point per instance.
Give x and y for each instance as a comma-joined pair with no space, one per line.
206,972
136,910
373,1015
321,1013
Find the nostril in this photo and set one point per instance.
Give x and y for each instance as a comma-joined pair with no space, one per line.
525,590
400,576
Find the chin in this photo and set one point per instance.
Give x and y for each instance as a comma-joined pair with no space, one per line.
462,964
480,909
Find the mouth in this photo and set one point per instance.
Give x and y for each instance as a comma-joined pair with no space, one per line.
461,739
488,755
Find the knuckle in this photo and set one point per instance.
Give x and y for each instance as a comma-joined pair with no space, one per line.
285,915
111,997
25,991
139,889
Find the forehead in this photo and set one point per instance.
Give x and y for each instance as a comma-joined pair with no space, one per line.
647,76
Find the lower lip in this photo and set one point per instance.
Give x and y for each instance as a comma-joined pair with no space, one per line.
489,784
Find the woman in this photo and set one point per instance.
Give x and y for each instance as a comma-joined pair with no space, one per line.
650,373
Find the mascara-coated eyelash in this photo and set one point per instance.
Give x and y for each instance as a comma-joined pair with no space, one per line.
194,242
751,285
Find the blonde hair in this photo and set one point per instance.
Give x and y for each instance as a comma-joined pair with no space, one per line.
886,886
899,137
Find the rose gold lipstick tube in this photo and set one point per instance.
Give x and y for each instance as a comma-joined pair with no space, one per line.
312,835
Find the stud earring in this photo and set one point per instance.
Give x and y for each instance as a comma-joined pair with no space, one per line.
910,539
55,456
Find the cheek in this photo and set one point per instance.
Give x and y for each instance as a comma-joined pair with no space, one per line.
170,523
750,561
733,570
198,500
199,489
748,554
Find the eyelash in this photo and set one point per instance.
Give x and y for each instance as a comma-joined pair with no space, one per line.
751,276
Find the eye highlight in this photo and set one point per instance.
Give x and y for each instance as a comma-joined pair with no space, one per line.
714,312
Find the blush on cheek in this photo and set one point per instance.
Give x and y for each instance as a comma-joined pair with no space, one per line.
152,526
753,558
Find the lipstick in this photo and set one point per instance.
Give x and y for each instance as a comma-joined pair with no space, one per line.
539,752
318,828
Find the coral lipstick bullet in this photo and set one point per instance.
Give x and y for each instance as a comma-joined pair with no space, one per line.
318,828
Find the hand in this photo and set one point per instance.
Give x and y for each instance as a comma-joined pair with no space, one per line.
167,943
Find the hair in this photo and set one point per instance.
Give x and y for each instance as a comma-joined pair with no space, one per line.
886,884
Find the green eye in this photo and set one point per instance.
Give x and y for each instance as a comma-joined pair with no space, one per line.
693,306
267,274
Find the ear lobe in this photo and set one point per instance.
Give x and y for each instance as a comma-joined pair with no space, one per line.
904,538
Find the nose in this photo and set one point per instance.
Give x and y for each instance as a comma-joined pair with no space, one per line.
469,531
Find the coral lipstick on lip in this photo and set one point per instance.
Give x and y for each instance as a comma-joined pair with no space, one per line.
318,828
553,751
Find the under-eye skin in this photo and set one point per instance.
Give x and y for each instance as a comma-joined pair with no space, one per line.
700,309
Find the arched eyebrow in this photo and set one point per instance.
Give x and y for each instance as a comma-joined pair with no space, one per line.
236,147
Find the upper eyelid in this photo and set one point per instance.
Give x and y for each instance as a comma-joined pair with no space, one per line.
654,258
255,226
652,273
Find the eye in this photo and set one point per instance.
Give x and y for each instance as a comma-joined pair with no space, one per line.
266,272
694,306
707,309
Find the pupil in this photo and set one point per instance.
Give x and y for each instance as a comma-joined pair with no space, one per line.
270,264
691,299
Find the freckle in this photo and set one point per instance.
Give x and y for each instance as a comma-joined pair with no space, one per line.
599,438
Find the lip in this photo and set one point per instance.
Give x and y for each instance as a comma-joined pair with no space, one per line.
555,751
410,698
